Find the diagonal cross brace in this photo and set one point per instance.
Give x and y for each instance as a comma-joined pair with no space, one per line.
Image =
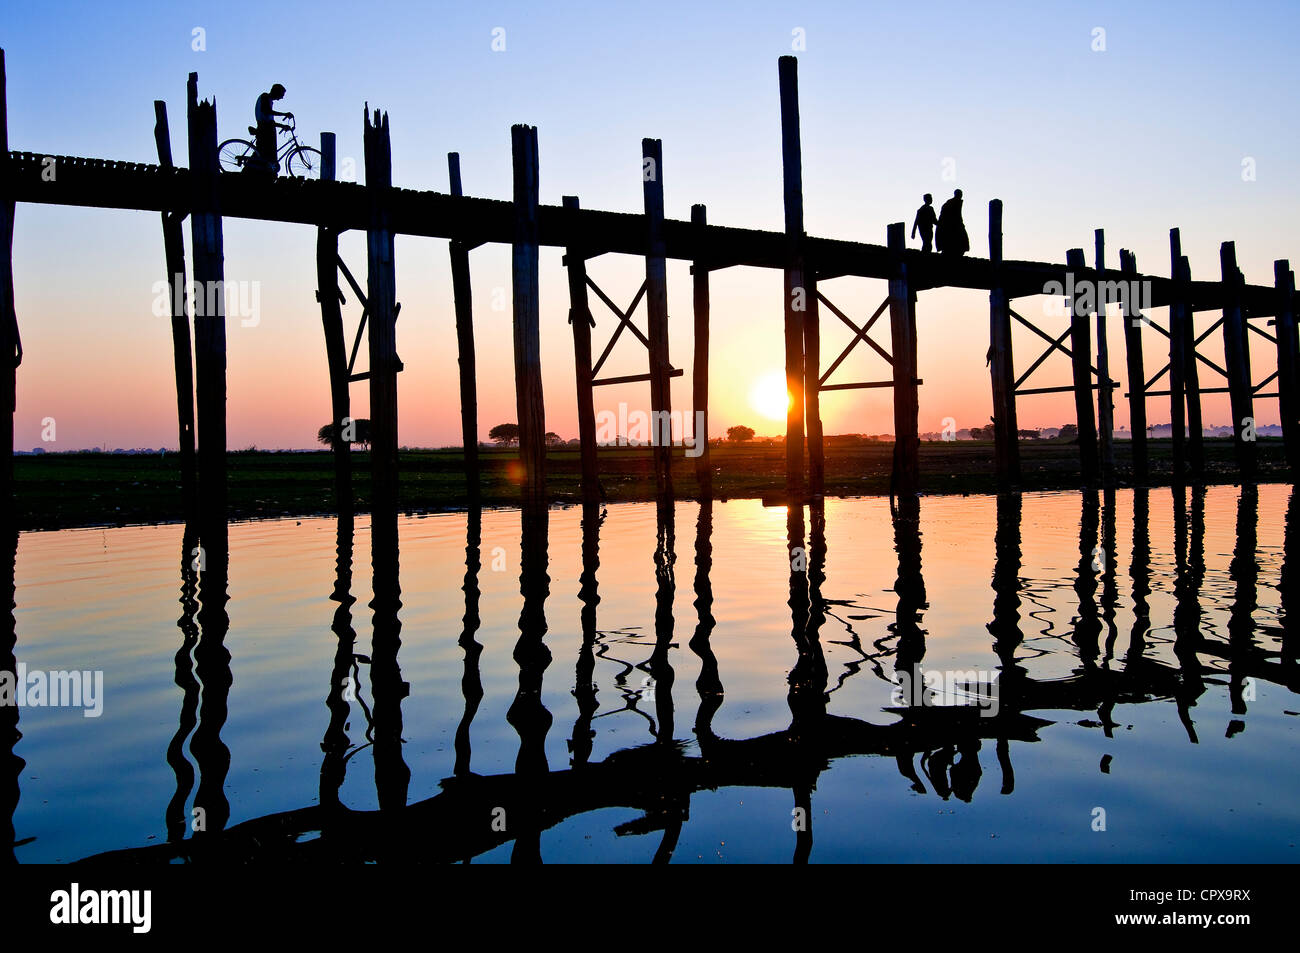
860,334
624,321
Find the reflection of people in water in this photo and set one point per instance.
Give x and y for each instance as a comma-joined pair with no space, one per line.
951,237
925,220
958,777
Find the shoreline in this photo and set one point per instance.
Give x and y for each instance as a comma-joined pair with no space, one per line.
93,490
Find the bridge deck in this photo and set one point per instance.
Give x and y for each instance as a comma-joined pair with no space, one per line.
103,183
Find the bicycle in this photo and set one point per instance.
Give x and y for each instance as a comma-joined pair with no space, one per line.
298,160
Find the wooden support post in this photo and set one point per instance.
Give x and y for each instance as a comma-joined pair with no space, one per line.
381,304
700,365
656,276
1287,360
1236,355
464,304
182,355
902,327
528,353
1001,366
812,383
1105,394
1192,381
1178,317
1081,351
1137,397
580,318
336,354
209,320
11,349
796,294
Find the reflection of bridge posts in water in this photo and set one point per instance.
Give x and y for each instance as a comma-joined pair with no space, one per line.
345,675
1289,588
212,668
1005,627
909,638
11,765
807,696
584,684
1189,561
661,670
675,805
176,816
471,682
659,778
527,715
1109,600
1244,571
1140,576
1087,624
709,683
392,776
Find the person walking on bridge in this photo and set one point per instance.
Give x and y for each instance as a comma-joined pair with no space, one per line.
951,237
925,221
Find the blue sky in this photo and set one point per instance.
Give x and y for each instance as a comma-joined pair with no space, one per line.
1147,134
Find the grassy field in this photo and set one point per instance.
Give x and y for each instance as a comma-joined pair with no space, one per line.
85,489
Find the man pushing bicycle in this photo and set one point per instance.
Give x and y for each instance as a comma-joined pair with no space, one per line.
264,133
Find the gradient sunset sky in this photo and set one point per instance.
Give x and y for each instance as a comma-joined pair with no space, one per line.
1149,133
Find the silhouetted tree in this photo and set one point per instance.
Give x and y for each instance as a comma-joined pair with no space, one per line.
360,432
504,434
1069,432
554,439
740,433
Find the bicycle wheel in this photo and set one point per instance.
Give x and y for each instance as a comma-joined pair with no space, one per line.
304,163
234,154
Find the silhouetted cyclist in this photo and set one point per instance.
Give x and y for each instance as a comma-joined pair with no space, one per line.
266,126
925,221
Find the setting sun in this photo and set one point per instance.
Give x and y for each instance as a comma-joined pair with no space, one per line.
769,396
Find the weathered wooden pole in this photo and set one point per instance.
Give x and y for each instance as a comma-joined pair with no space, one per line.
336,355
528,352
700,365
1081,358
656,276
1178,317
1285,329
11,349
902,328
1005,430
464,304
381,304
796,294
580,318
812,383
182,356
1105,394
1137,396
1192,382
1236,354
209,319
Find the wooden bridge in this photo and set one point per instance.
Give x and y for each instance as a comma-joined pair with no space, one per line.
207,196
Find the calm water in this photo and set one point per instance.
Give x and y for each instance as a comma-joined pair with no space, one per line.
650,683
